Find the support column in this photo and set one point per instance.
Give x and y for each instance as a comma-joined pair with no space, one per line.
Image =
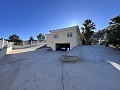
2,43
23,43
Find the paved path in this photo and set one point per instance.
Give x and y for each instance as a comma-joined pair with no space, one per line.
28,49
43,70
27,46
96,53
33,70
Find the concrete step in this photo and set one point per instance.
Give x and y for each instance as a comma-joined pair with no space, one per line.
70,56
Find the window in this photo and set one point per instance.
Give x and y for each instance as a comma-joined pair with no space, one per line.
56,36
69,34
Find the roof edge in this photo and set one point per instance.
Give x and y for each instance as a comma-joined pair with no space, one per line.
64,28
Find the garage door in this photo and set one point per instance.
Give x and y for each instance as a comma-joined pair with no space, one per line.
62,46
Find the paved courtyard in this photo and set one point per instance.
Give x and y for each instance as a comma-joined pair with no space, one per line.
30,69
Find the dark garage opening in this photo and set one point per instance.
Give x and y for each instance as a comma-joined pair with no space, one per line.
62,46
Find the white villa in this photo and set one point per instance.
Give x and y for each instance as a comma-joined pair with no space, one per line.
63,39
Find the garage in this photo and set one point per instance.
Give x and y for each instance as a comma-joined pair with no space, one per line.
62,46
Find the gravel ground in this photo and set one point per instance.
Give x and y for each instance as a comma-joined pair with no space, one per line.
30,69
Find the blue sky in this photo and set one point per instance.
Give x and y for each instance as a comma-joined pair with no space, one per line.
30,17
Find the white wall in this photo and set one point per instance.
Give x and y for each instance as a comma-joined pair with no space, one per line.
5,48
5,51
2,53
8,50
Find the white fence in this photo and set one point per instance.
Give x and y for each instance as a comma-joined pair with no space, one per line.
32,42
5,44
27,44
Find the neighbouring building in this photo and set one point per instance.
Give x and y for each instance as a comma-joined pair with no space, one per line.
64,39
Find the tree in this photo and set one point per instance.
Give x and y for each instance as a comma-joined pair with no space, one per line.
114,31
115,21
14,38
99,34
31,38
87,30
41,37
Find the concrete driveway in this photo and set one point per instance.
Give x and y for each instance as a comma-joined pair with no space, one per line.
43,70
99,69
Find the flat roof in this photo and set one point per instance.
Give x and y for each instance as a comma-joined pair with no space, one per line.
64,28
47,34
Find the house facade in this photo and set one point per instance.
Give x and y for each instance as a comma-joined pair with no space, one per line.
64,39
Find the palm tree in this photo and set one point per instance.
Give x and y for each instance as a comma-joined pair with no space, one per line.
115,21
87,30
114,29
40,37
